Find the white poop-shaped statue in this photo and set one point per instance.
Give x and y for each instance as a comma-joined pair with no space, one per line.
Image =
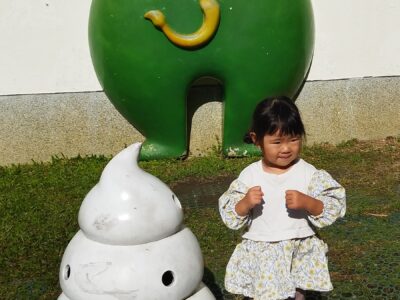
132,244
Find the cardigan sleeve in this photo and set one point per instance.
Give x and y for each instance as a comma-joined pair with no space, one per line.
227,202
324,188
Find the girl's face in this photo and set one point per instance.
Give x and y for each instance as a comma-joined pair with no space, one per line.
279,151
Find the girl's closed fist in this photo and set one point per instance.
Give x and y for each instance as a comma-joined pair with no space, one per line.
295,200
254,196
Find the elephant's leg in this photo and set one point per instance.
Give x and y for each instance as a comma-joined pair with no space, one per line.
162,120
238,110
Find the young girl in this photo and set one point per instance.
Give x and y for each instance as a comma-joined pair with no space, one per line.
281,198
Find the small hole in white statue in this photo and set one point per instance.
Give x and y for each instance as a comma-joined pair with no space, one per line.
167,278
67,272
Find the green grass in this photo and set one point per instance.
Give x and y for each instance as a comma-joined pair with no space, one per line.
39,206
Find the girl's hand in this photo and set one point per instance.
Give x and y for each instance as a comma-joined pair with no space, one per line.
254,196
297,201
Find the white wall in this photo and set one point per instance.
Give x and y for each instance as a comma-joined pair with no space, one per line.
44,45
356,38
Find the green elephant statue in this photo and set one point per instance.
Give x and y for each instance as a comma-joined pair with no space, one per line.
147,54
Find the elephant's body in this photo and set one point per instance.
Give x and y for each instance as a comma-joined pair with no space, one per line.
261,48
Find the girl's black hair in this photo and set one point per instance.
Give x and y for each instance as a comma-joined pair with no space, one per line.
276,114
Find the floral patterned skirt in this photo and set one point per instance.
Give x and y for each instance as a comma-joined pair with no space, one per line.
273,270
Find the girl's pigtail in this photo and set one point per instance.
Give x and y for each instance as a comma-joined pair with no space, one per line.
247,138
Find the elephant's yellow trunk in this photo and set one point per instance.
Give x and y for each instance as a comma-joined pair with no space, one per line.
211,15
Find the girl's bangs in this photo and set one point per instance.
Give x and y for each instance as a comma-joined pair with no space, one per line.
289,127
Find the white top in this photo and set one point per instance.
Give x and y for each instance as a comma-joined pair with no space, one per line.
273,221
322,187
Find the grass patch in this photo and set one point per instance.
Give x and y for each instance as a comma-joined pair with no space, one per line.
39,206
